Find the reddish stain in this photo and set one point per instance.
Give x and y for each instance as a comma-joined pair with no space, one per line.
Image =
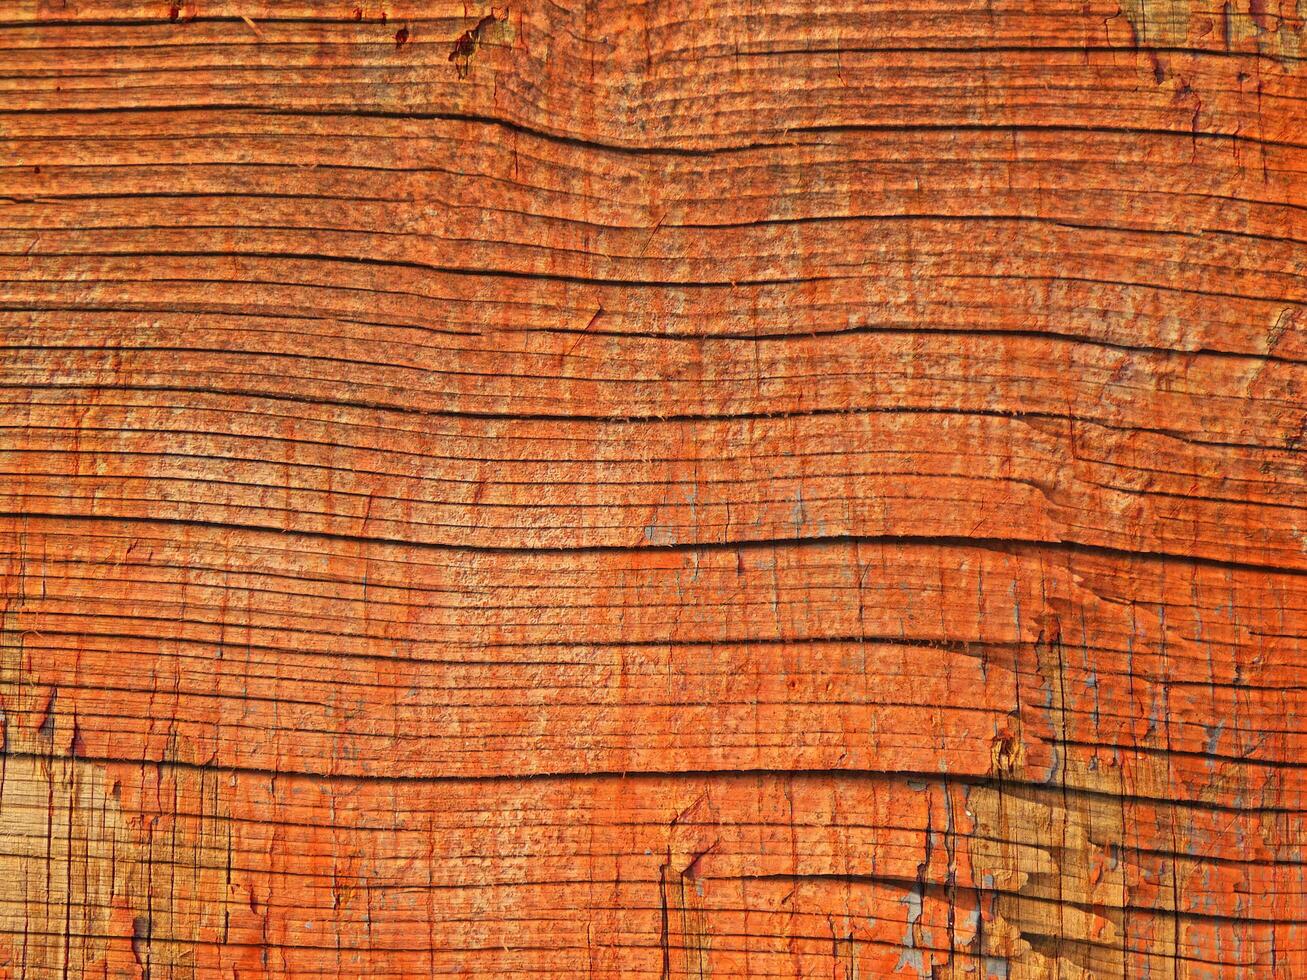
358,13
174,11
401,38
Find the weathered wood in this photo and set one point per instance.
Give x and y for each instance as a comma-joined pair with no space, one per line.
665,490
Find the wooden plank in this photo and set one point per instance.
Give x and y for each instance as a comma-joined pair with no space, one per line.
669,490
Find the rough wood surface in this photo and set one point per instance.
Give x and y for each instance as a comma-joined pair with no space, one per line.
653,489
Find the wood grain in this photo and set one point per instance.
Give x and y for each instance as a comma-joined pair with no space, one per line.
598,489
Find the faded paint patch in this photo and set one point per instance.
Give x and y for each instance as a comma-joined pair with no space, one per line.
83,894
1051,901
489,30
1238,24
62,833
91,885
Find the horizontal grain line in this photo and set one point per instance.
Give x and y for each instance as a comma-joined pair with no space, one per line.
624,419
575,279
655,150
1001,545
649,775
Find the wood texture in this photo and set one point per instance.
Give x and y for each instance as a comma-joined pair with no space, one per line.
668,489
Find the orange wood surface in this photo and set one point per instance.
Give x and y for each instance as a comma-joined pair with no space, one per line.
595,488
